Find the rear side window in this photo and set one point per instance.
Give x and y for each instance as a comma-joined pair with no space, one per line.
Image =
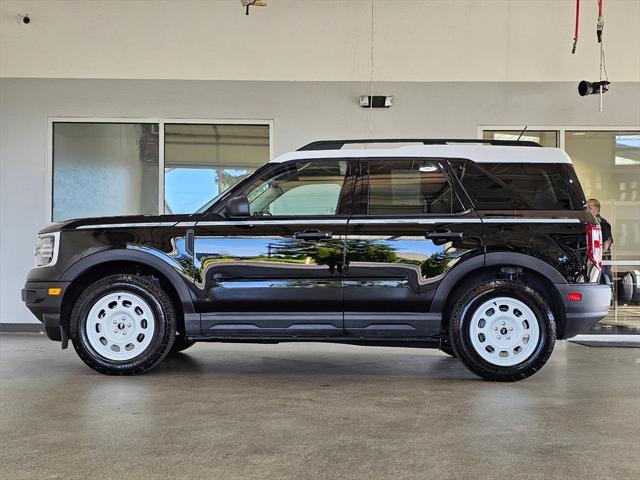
409,187
521,186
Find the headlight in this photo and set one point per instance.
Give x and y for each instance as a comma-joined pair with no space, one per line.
47,249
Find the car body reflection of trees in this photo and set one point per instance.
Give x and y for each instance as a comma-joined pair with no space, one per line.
330,253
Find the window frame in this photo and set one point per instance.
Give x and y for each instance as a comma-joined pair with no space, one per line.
361,196
161,121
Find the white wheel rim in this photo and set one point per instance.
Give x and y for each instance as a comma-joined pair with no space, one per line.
504,331
120,326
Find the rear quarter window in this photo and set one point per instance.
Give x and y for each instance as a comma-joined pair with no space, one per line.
521,186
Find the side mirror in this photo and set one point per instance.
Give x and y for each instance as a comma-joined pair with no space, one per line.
238,207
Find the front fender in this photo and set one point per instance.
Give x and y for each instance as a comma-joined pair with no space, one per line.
168,266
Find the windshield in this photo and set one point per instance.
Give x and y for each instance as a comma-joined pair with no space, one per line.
210,203
207,206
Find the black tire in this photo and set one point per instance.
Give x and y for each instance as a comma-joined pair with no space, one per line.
626,288
180,345
448,349
162,337
460,327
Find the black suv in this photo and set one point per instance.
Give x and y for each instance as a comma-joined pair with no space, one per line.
483,249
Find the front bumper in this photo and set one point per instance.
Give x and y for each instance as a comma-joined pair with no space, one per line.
46,307
582,315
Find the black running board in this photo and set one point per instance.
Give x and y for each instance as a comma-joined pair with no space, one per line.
431,342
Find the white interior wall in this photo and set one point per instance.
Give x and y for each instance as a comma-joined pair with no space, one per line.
301,112
317,40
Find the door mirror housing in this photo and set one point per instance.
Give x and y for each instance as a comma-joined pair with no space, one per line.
238,207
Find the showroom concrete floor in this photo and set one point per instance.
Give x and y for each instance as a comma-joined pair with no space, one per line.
297,411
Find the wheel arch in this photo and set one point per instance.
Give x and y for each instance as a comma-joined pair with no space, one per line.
101,264
535,272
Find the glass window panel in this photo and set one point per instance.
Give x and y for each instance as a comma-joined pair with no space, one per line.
615,183
102,169
404,187
546,138
202,161
627,149
522,186
304,188
608,166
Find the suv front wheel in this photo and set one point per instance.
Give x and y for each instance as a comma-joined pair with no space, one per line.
123,325
502,330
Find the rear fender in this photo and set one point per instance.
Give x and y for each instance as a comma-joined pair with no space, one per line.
492,259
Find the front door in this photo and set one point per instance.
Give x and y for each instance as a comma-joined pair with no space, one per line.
279,271
412,229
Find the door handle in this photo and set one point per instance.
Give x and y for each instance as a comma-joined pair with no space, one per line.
444,234
189,241
312,235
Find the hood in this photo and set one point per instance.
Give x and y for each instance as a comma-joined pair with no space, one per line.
120,221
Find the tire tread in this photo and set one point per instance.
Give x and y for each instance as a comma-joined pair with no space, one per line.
149,358
481,367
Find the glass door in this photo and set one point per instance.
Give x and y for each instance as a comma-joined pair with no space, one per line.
608,165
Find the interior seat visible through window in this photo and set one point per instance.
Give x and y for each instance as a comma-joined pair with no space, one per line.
305,188
405,187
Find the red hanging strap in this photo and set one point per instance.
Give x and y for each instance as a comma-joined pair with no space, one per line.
575,36
600,26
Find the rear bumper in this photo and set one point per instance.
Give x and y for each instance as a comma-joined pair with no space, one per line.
45,307
582,315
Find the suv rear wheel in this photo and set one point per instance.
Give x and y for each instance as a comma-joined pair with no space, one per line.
123,325
502,330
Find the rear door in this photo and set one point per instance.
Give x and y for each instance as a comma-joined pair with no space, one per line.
412,227
279,271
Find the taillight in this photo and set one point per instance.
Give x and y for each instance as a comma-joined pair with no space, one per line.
594,245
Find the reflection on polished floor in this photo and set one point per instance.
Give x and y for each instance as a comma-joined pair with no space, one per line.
297,411
625,319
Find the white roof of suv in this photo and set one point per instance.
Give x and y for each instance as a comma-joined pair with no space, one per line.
476,152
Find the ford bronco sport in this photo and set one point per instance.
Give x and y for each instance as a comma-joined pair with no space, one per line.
483,249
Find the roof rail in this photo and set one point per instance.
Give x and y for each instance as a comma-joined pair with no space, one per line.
338,144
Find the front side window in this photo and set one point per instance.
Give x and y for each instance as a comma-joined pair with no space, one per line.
299,189
409,187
